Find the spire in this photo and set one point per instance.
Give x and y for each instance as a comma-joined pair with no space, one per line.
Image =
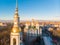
16,28
16,3
16,12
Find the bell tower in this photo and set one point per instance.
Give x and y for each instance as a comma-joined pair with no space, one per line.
15,32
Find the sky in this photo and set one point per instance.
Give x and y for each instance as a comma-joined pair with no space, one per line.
30,9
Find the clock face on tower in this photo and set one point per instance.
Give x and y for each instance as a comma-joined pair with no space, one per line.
16,20
15,23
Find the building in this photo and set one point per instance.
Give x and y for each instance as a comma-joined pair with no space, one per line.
3,24
15,32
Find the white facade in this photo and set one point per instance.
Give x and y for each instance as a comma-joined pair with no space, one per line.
15,36
26,26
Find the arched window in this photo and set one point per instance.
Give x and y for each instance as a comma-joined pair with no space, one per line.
14,41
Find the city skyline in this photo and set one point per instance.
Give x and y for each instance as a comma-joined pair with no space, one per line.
28,9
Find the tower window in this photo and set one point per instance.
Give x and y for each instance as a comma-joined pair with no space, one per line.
14,41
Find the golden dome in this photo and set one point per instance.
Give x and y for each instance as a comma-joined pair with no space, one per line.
16,30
